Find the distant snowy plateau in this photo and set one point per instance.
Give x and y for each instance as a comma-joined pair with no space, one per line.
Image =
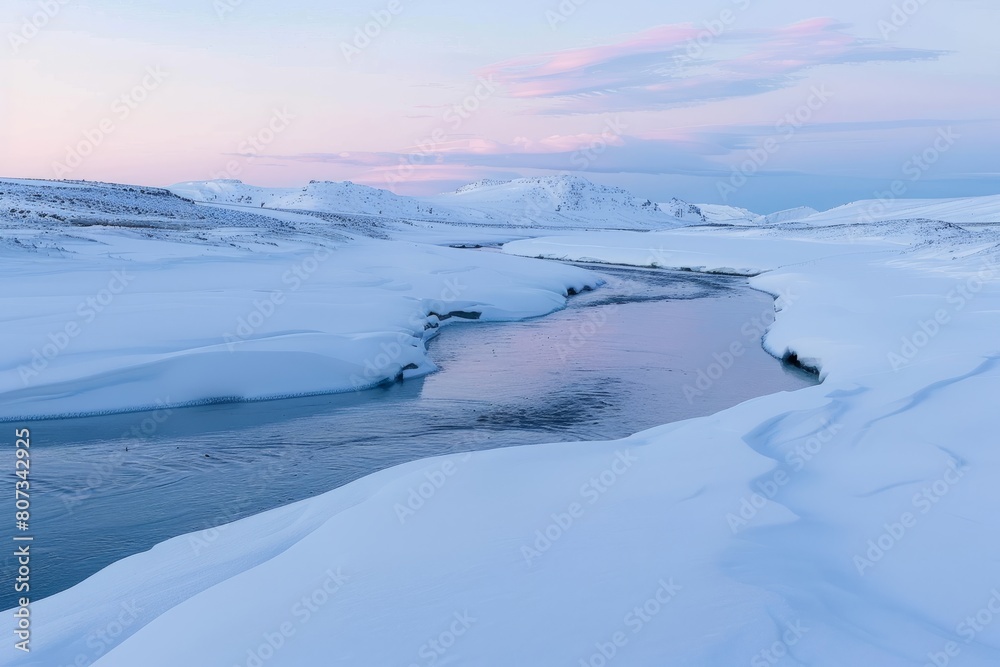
851,523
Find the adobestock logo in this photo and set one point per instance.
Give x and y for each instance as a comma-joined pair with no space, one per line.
32,25
87,311
121,110
365,35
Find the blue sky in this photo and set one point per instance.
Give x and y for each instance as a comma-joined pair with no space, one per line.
765,105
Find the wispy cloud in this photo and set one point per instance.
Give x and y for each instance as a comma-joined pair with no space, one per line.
652,69
696,150
619,154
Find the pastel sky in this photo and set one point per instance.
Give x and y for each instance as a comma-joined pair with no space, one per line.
765,105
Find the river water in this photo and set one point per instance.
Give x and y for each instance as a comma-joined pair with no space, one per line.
651,347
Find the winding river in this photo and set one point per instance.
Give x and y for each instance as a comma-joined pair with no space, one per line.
651,347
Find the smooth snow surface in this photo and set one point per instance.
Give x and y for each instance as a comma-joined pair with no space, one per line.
853,523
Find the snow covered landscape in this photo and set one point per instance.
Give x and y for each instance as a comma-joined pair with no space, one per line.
517,334
855,514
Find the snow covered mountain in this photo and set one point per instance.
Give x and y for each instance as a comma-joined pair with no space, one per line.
546,202
559,201
685,212
318,196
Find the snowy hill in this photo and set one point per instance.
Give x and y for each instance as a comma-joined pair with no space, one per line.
318,196
788,215
684,211
727,215
722,214
34,206
958,210
963,210
558,201
548,202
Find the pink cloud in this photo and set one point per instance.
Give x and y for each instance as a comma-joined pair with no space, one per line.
653,40
673,65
